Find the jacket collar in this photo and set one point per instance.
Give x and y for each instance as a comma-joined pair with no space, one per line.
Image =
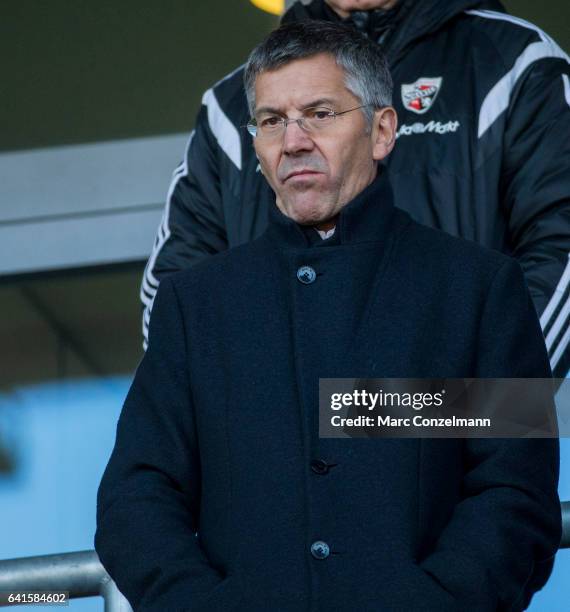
366,218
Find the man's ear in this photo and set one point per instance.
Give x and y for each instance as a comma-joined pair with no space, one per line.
384,127
258,168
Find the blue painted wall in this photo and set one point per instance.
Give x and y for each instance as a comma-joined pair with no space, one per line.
61,436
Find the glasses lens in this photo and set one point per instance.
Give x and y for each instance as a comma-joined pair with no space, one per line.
270,126
252,127
318,117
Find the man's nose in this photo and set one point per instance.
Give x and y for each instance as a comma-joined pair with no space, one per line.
296,139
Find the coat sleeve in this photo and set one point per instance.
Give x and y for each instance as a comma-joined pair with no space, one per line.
148,499
498,547
193,224
536,191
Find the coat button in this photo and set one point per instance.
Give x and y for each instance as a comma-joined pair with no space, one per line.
320,550
320,467
306,275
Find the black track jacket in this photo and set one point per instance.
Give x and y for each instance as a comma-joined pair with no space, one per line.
483,152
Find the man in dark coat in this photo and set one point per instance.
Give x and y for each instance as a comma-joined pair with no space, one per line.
219,494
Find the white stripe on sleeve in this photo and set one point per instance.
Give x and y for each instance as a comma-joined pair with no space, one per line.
556,296
223,129
566,83
498,99
150,282
563,344
558,324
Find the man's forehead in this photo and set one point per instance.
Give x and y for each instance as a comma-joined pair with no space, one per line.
301,83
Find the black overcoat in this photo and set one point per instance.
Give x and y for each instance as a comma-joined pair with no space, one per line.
218,434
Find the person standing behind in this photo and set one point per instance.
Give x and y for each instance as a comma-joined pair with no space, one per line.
483,150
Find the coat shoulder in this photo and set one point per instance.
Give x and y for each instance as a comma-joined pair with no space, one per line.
441,254
223,268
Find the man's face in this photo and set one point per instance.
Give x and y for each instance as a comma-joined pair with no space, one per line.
314,174
343,7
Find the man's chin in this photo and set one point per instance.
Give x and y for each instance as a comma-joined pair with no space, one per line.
306,213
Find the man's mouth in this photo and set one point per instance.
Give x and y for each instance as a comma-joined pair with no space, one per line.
303,173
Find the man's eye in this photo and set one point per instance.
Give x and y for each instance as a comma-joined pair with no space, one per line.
271,122
319,114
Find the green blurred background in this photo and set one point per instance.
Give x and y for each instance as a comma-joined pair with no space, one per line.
83,71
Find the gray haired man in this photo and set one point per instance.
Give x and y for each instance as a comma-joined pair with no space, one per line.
219,433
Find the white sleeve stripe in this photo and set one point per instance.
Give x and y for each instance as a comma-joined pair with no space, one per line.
560,349
566,83
150,283
145,292
145,336
145,325
556,296
558,324
223,129
147,301
162,238
228,138
163,232
498,99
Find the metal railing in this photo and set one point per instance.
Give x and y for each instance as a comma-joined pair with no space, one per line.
78,573
82,575
565,541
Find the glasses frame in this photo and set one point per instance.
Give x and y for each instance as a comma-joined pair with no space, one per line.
252,126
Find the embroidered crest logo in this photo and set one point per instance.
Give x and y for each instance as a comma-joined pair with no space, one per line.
419,97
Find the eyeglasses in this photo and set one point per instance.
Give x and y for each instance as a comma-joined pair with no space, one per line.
313,119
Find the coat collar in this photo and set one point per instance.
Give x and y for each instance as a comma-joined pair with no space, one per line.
366,218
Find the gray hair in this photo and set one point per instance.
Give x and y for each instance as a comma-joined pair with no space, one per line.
367,75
